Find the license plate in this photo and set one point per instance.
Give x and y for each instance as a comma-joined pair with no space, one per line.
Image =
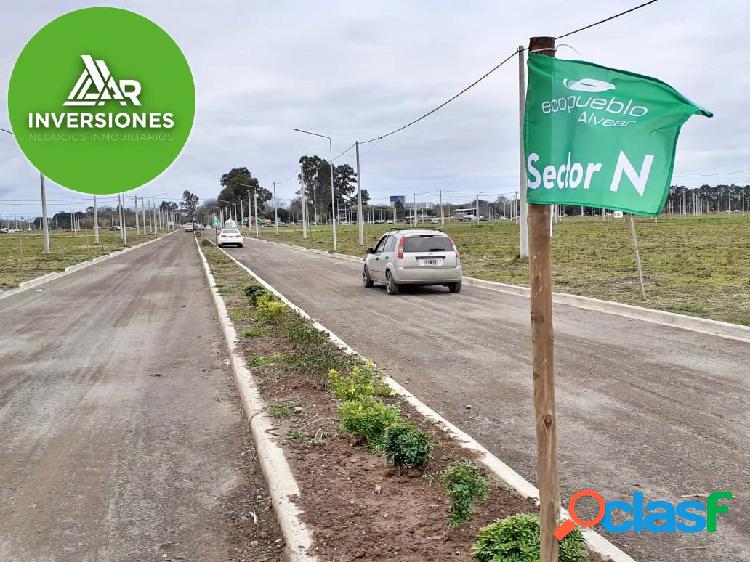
431,261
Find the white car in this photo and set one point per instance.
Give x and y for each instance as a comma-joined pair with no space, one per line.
230,237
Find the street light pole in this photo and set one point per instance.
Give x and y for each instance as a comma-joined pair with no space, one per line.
333,194
360,218
96,222
275,209
45,226
255,200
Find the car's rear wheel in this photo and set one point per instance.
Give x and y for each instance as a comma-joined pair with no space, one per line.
366,280
455,287
391,286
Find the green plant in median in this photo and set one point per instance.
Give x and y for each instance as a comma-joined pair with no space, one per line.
317,360
299,331
406,446
368,418
260,361
281,409
269,310
296,435
253,292
256,333
364,380
464,483
516,539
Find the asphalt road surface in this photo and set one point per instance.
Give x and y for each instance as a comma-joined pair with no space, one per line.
121,433
640,406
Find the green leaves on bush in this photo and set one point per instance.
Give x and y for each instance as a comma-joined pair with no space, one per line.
363,381
253,292
299,331
464,483
516,539
268,309
406,446
368,418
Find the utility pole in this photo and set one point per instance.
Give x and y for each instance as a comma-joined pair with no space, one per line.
542,337
275,209
257,228
96,223
360,217
442,216
522,180
414,211
137,222
477,211
45,225
153,211
304,210
242,214
119,215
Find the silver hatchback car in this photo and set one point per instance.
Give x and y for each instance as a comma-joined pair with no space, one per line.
413,257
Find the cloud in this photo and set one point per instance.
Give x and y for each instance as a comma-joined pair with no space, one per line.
354,70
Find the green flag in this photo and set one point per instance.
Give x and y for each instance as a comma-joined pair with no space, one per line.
600,137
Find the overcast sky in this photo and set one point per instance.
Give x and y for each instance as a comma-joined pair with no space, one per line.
356,69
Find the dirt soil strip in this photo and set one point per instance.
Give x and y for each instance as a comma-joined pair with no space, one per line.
420,515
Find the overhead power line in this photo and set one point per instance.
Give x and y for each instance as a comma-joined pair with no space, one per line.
446,102
605,20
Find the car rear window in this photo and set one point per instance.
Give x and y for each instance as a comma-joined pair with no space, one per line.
228,231
427,244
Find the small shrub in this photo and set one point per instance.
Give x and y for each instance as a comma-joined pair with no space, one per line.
259,361
368,418
256,333
516,539
300,332
363,381
253,292
316,361
296,435
464,483
269,310
205,242
281,409
406,446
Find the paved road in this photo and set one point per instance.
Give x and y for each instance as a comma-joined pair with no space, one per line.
641,406
121,434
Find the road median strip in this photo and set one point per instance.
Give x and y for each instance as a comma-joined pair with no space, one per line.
327,463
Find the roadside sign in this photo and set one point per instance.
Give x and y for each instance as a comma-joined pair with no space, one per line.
600,137
395,198
216,223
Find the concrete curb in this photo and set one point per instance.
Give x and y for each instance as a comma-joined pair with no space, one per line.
281,482
595,542
46,278
706,326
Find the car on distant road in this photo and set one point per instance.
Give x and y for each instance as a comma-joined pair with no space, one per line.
189,227
200,227
230,237
413,257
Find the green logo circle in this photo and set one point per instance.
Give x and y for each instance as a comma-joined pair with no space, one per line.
101,100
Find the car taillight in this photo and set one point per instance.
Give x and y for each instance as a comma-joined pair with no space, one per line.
400,254
458,254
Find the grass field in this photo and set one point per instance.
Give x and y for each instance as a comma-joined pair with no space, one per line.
692,265
22,257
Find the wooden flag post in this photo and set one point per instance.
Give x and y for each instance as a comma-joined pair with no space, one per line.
540,277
